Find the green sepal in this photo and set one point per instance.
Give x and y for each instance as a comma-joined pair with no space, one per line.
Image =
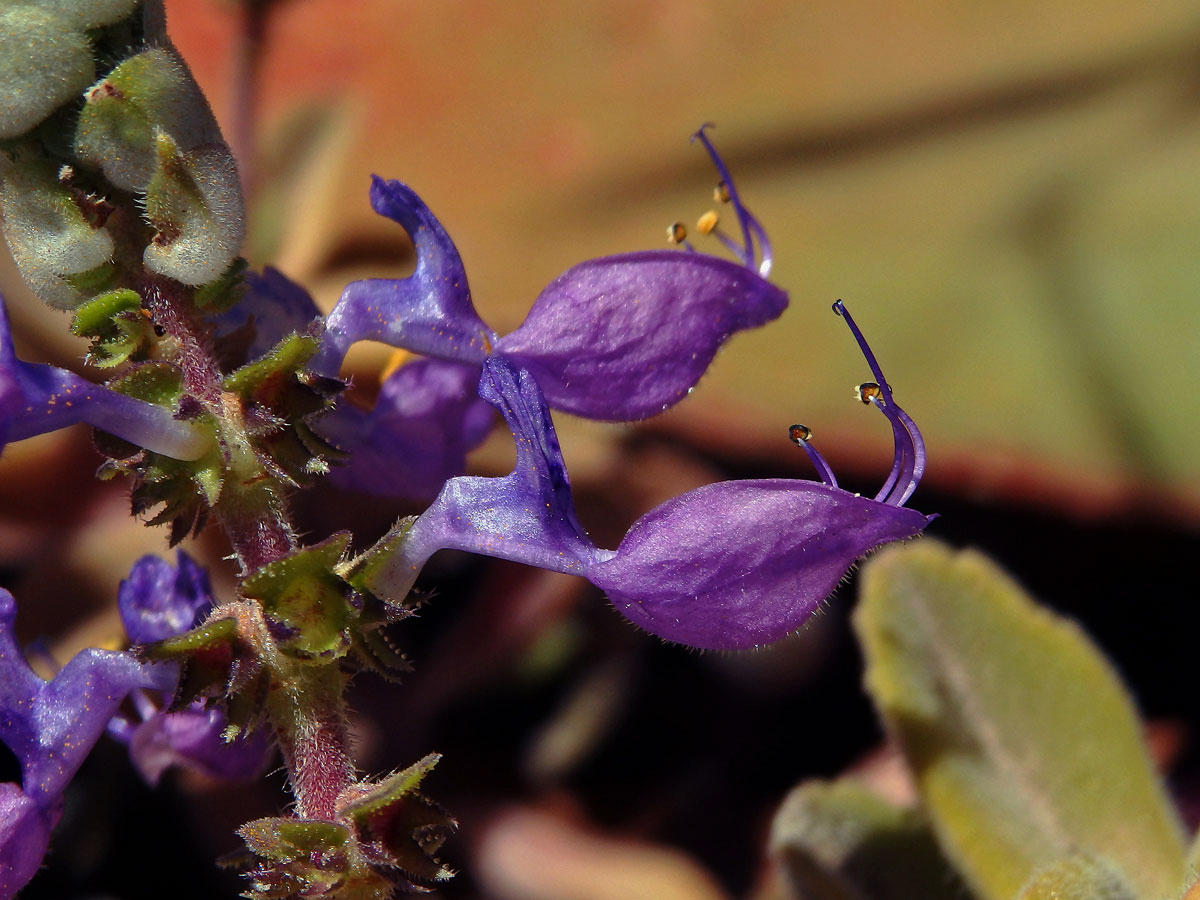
281,398
1077,878
1023,745
301,857
308,607
842,841
186,490
375,652
263,379
372,571
207,655
400,827
283,840
222,293
117,325
94,280
154,382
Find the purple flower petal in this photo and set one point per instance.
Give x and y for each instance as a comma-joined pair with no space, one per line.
275,304
24,837
53,398
429,312
624,337
742,563
158,600
193,739
425,421
50,726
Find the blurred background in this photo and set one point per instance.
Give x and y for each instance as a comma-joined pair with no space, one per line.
1006,196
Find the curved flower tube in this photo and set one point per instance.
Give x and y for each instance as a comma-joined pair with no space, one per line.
36,398
158,601
617,338
729,565
50,727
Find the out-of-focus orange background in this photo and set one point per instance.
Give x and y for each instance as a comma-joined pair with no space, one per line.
1006,194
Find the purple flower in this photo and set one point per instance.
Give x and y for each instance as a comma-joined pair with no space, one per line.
272,305
726,566
158,601
617,338
403,447
50,727
36,398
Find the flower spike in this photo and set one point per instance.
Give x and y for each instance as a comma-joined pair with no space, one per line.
729,565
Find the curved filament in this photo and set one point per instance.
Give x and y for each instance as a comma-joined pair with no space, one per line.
908,460
743,216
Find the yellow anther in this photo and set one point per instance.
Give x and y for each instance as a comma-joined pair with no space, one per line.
395,361
867,392
707,223
800,434
676,233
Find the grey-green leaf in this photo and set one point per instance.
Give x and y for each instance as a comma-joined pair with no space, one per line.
1077,878
1023,744
841,841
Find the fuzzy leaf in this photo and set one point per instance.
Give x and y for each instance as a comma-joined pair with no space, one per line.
841,841
1021,740
1077,878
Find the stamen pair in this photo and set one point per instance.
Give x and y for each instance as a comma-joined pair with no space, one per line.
908,462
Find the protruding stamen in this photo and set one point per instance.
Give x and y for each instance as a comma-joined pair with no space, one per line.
721,193
676,233
918,444
743,216
764,245
908,460
709,226
840,309
801,436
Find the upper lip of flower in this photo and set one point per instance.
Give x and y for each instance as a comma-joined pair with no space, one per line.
615,338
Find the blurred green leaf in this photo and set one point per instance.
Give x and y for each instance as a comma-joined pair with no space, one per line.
841,841
1077,878
1023,744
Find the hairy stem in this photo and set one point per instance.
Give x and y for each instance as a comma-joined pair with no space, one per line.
308,714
